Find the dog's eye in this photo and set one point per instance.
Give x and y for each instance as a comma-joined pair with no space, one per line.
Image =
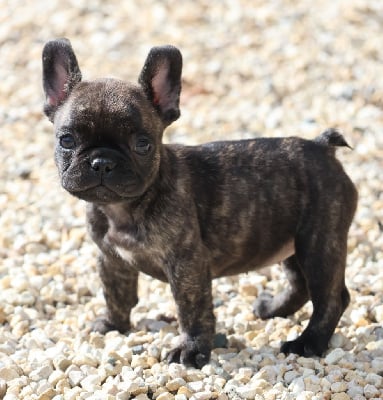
142,146
67,142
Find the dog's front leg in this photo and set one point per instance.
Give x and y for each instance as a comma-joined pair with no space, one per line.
120,292
191,288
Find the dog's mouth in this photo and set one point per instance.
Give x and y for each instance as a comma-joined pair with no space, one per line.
103,194
102,189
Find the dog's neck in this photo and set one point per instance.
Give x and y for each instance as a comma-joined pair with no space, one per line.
135,210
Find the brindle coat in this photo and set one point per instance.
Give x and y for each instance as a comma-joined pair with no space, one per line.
187,214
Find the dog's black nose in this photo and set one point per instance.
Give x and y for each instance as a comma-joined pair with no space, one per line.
101,164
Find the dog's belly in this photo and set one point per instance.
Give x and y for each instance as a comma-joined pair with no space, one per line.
225,267
286,251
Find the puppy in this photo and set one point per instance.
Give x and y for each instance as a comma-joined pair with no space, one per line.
188,214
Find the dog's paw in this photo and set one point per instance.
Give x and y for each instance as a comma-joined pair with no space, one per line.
263,306
304,347
189,354
102,325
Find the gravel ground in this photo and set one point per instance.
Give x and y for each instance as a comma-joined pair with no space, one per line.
252,68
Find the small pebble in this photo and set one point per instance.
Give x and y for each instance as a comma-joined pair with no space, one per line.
290,376
247,392
371,391
75,376
91,383
61,363
196,386
184,390
180,397
175,384
7,374
337,387
165,396
138,349
334,356
297,385
177,370
305,395
340,396
41,373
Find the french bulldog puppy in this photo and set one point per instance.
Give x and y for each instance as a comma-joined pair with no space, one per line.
188,214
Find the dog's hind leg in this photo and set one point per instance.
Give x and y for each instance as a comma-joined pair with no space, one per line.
323,259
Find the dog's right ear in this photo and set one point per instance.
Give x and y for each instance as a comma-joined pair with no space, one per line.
60,74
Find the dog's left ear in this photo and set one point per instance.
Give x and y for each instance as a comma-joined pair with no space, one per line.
161,80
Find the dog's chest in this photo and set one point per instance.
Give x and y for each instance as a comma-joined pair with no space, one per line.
127,255
139,250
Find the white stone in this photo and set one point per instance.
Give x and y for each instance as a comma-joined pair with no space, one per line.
290,376
325,384
44,388
208,369
129,386
180,397
378,312
174,384
336,341
231,389
247,391
75,376
61,362
205,395
154,351
260,384
177,370
41,373
141,396
340,396
85,359
55,376
312,383
371,391
165,396
162,379
196,386
334,356
11,396
354,390
91,383
305,395
377,365
297,386
72,394
306,362
125,396
337,387
7,374
374,379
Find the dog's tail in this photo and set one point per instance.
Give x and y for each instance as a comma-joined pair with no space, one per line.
332,137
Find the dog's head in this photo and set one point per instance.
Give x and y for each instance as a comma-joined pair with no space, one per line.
109,132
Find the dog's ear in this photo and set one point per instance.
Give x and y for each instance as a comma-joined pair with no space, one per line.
60,74
161,80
